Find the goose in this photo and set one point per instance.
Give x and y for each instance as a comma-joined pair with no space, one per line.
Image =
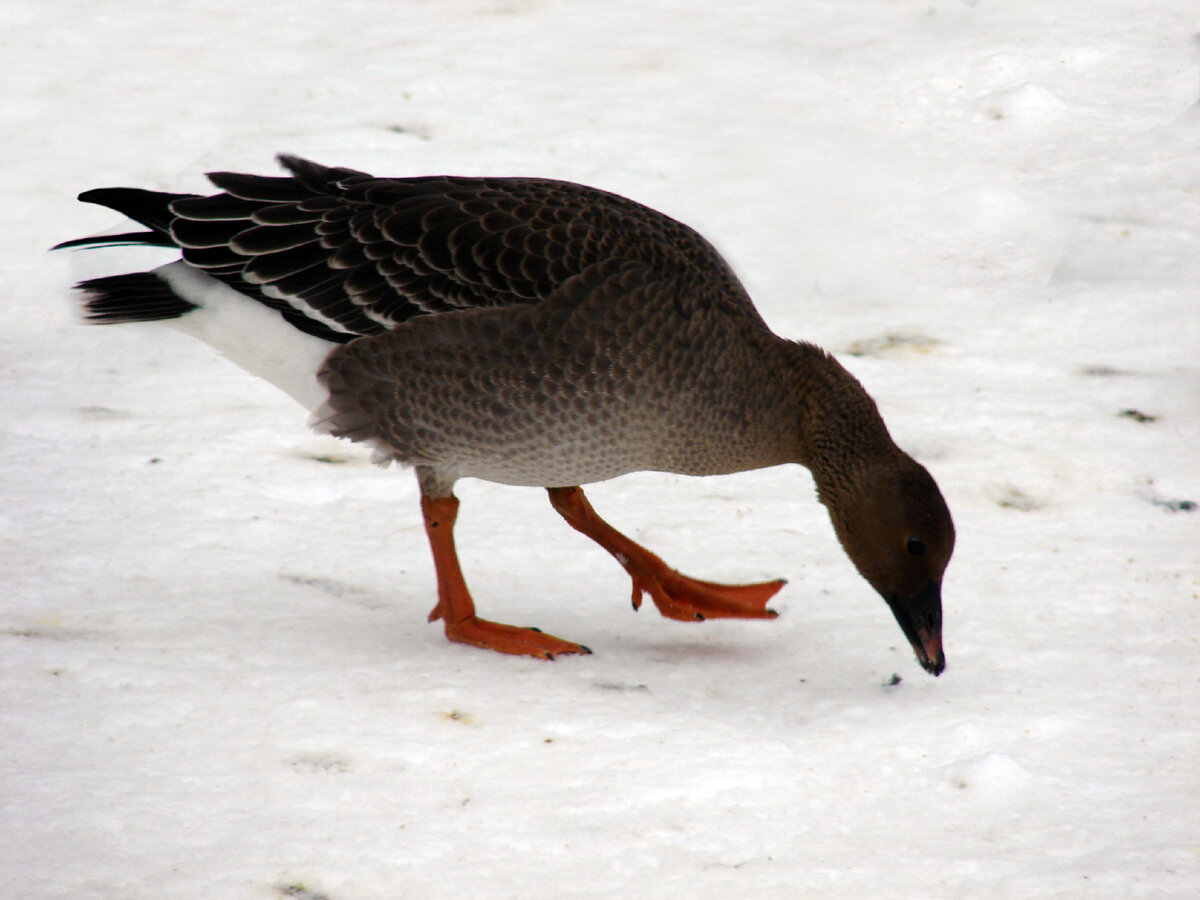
535,332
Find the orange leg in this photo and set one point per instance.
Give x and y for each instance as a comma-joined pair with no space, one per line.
675,595
455,606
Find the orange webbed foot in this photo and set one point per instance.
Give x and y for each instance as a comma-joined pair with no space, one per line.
676,595
691,600
510,639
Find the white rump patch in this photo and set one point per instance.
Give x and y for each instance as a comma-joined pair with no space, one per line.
249,334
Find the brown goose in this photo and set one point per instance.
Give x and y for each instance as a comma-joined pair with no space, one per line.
530,332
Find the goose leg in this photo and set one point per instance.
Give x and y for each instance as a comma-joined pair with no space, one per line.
455,607
676,596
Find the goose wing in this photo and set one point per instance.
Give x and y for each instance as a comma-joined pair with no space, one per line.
357,255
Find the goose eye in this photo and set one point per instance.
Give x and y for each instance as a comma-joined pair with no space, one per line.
915,546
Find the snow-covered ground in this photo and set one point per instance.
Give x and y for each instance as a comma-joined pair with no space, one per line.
216,678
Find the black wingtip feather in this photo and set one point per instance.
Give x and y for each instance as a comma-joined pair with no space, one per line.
127,239
263,188
149,208
316,177
302,168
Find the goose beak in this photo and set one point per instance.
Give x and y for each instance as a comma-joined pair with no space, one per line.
920,618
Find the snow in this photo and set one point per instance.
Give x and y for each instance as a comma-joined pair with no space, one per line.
216,673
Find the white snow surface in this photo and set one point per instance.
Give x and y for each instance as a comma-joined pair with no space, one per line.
216,678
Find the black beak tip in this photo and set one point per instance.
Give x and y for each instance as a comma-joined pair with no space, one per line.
934,666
